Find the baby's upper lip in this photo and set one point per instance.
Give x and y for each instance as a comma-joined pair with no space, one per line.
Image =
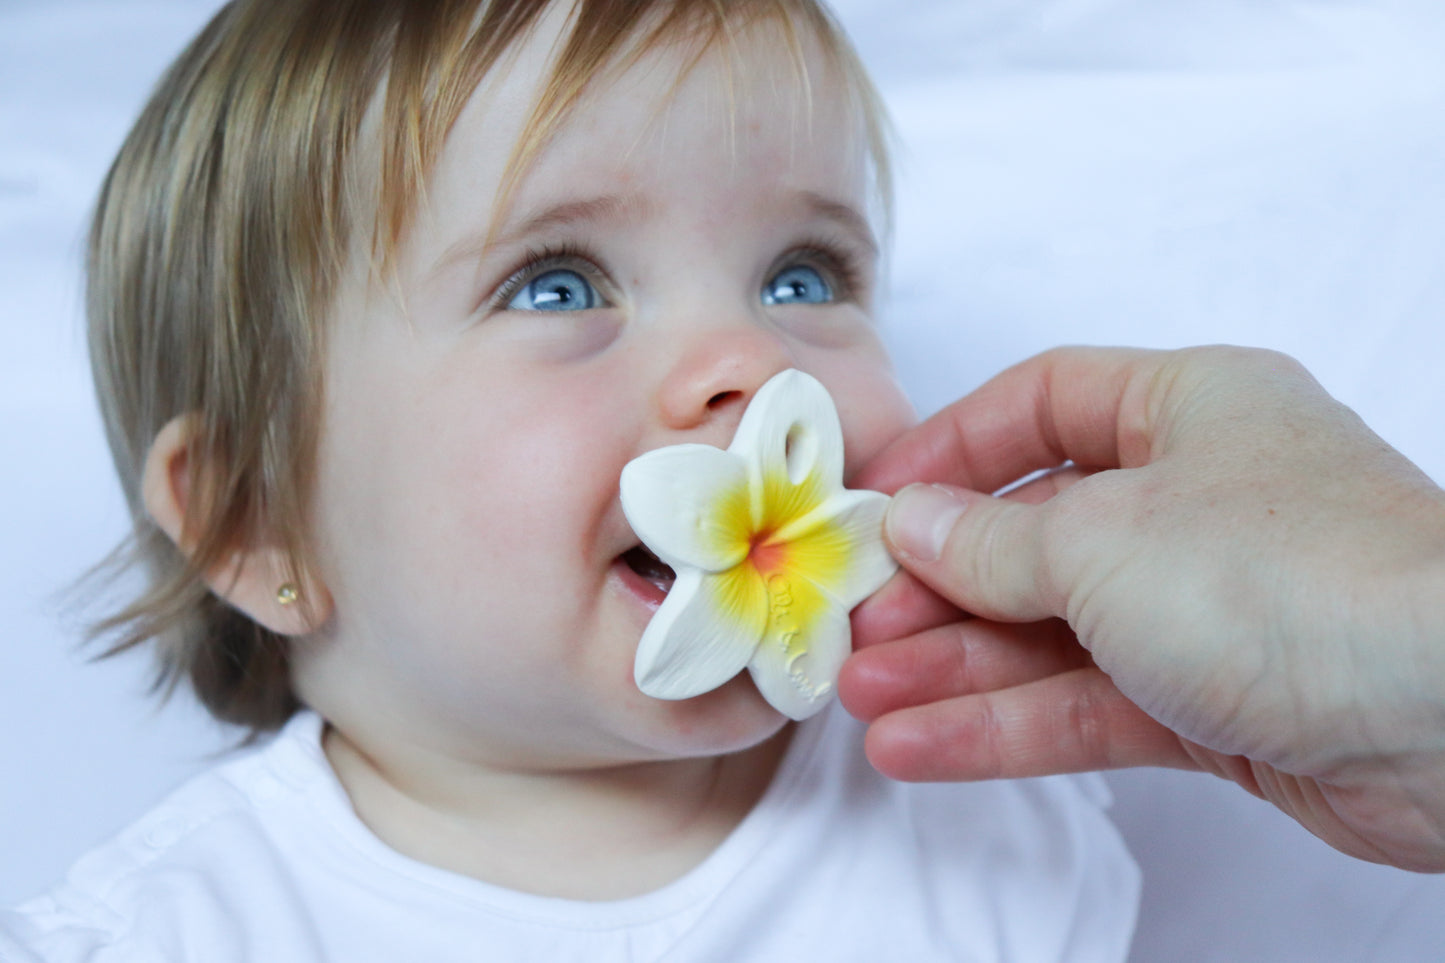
619,531
623,539
629,541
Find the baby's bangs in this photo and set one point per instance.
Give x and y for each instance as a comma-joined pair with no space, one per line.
444,51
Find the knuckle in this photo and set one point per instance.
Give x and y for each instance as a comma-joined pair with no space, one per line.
959,671
1081,727
990,743
1065,534
990,559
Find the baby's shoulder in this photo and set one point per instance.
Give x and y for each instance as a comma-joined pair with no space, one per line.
199,870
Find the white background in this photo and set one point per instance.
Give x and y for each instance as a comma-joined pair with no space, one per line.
1150,172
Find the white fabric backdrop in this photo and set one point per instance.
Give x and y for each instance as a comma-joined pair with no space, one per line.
1266,172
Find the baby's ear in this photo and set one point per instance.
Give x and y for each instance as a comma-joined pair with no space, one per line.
256,579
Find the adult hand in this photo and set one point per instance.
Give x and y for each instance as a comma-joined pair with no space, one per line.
1225,570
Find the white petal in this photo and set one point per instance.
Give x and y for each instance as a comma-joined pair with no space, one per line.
791,429
706,630
796,680
860,514
676,499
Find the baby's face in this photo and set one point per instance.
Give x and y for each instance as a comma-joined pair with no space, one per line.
662,258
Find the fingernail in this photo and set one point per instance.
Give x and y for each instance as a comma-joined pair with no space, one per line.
920,519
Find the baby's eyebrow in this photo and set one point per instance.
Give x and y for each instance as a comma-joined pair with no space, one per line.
845,216
608,207
612,208
615,208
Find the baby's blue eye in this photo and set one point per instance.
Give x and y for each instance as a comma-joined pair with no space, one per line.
559,289
798,284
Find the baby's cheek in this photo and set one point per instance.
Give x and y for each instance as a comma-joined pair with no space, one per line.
872,425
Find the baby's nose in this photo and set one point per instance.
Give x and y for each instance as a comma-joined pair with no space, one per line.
717,371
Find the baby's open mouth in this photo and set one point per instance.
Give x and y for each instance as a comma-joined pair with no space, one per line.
651,569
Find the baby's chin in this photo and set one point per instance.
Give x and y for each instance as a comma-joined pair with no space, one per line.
729,719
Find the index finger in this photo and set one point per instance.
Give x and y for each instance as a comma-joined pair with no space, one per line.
1085,405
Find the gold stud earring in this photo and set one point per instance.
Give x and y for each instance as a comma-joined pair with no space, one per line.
287,593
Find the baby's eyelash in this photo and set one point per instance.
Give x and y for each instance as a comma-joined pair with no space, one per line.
841,263
838,261
538,261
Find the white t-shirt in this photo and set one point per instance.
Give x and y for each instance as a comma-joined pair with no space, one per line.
262,859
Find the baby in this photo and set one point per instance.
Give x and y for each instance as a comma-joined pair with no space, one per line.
383,298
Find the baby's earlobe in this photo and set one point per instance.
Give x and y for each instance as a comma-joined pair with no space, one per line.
262,583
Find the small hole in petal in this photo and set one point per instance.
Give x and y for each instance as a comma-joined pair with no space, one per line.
800,451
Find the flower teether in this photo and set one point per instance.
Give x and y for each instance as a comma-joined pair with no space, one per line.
769,549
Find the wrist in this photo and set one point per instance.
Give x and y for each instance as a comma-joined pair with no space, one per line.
1413,640
1386,697
1394,793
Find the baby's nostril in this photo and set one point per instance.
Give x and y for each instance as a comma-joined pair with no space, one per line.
722,398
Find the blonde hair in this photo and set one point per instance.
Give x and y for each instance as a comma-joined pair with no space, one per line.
223,227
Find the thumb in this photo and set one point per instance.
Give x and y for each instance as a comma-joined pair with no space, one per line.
982,553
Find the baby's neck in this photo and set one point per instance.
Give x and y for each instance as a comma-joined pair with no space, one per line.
588,834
